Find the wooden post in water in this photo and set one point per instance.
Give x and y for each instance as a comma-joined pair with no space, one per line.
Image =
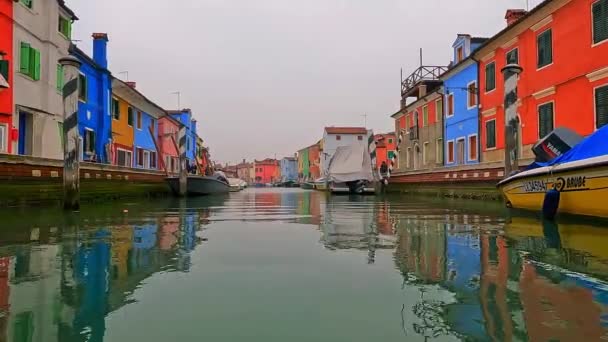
71,138
183,171
511,76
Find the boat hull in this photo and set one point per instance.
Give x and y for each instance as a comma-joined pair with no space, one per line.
307,186
583,190
199,186
342,188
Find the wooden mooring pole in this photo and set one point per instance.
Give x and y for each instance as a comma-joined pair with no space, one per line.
183,170
71,138
512,125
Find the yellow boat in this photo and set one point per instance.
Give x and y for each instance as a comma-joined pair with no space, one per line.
583,187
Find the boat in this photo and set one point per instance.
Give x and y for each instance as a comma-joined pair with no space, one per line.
580,175
307,185
350,171
201,185
236,184
320,184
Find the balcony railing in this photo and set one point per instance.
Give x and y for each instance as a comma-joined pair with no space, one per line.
414,133
423,73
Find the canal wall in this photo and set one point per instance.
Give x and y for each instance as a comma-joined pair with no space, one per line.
464,181
28,180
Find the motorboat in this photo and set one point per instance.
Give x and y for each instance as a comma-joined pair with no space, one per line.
201,185
320,184
236,184
350,171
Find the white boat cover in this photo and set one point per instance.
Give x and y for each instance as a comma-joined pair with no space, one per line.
350,163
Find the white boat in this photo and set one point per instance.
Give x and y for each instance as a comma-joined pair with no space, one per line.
350,171
235,184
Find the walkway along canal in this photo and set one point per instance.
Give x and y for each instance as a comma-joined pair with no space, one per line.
288,264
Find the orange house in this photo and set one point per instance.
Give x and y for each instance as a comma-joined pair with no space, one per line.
314,159
385,148
122,131
562,46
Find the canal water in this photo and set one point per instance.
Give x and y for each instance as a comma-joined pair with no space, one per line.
297,265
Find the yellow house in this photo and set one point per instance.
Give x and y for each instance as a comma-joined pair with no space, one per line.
123,118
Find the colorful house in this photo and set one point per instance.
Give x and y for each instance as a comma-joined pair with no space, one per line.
94,119
289,169
562,47
420,123
184,116
6,76
267,171
168,128
314,160
303,165
461,110
334,137
41,35
386,145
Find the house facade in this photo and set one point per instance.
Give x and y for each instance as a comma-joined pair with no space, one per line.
334,137
7,58
184,116
167,140
289,169
94,115
303,165
562,47
314,161
267,171
41,36
461,112
386,145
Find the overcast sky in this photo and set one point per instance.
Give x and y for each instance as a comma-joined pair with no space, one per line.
263,77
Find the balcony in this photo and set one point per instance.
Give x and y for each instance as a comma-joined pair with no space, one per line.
424,73
414,130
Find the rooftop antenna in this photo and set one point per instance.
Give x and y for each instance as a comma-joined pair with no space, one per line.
364,120
420,56
527,5
178,93
126,74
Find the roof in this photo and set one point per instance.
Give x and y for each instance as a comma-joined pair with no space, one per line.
346,130
75,50
479,40
514,24
67,9
118,84
179,111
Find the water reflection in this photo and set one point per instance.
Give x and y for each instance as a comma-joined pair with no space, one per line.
468,272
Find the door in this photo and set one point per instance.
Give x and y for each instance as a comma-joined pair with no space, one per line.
146,159
460,152
23,127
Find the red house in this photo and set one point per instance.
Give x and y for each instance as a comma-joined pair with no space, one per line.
167,139
562,46
386,145
267,171
6,75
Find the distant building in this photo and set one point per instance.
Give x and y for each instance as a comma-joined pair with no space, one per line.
242,171
289,169
461,112
314,160
303,165
334,137
386,145
267,171
167,139
184,116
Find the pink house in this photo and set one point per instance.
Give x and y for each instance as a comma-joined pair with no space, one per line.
167,139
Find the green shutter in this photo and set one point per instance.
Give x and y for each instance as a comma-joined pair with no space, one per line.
490,76
600,21
60,124
545,120
27,3
69,28
24,66
545,48
34,64
59,77
4,69
601,106
491,134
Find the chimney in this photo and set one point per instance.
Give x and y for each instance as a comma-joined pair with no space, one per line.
100,49
421,91
514,15
131,84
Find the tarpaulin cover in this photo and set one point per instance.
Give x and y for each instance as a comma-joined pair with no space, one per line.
350,163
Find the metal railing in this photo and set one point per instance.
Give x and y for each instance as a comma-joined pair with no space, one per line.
423,73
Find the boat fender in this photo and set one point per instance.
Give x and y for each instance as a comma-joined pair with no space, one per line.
551,204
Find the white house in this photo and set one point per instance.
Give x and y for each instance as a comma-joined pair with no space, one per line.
334,137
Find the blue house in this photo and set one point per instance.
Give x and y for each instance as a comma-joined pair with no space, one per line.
461,104
289,169
94,120
184,117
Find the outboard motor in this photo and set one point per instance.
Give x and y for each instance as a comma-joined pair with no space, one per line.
556,143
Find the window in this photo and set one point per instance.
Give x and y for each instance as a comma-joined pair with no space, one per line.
439,109
27,3
390,141
4,69
130,116
3,138
124,157
59,78
512,57
425,153
153,124
65,27
472,95
152,159
450,152
82,89
139,119
545,119
439,150
338,137
544,47
29,61
115,109
600,21
89,141
473,147
491,134
601,106
139,153
391,154
459,54
450,105
425,116
490,77
359,137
